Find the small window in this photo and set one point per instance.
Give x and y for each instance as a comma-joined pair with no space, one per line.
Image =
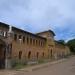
20,36
23,39
33,41
15,37
20,54
30,40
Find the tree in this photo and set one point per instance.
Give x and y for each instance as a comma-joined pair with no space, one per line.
62,42
71,44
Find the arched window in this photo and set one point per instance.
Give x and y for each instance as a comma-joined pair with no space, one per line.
43,54
20,54
29,54
15,37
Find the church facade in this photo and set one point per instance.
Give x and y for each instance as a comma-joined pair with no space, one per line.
17,44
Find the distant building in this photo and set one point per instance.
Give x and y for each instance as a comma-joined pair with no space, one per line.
17,44
61,50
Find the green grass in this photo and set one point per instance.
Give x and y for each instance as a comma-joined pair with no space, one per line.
19,66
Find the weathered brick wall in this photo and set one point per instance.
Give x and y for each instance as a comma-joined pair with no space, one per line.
61,50
26,48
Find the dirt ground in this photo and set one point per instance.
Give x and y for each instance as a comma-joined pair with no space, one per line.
65,68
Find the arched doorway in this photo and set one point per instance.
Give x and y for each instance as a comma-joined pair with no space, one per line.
43,54
20,54
2,54
29,54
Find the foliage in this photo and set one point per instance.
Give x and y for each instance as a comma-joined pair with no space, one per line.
62,42
71,44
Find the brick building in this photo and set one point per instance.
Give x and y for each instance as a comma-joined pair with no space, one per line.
17,44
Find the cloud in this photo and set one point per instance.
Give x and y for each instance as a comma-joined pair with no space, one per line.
39,15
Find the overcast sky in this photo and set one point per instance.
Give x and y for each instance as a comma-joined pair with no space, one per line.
39,15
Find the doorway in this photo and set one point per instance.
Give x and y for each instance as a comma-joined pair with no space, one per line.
2,56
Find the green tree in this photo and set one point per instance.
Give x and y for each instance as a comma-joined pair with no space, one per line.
71,44
62,42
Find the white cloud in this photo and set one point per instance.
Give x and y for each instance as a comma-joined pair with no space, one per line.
39,15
